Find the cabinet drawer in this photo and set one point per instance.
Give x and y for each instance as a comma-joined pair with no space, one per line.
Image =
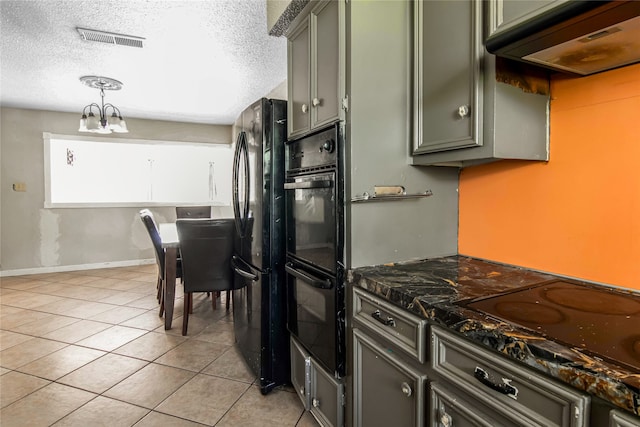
618,418
450,408
518,393
400,328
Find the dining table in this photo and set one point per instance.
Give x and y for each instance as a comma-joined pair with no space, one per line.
171,244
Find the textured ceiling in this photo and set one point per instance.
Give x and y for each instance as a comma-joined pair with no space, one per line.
202,61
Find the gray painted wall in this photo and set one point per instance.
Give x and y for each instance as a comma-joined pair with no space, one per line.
36,238
378,83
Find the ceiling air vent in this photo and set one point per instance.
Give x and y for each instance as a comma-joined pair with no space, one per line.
111,38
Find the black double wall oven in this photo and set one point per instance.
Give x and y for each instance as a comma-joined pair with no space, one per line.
314,197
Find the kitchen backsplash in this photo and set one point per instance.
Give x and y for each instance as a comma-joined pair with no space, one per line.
578,214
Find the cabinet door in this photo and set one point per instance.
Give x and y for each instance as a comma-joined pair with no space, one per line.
300,372
447,81
298,54
387,392
505,14
327,397
325,63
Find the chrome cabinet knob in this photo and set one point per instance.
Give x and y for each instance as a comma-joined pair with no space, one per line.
464,111
446,420
406,389
315,402
305,108
315,102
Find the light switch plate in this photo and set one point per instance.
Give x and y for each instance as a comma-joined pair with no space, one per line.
19,186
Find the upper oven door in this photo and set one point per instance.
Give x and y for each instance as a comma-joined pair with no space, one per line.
311,227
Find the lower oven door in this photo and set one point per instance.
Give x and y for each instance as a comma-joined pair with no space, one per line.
311,311
311,226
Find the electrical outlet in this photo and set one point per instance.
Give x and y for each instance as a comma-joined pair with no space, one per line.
19,186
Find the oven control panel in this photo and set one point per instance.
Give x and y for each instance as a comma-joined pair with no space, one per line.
315,151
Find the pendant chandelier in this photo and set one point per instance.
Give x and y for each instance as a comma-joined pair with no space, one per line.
102,122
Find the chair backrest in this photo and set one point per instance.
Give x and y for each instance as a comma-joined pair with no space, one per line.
206,247
193,211
149,222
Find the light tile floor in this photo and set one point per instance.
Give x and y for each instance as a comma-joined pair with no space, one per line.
88,349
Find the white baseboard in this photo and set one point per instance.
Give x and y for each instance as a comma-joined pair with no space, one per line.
79,267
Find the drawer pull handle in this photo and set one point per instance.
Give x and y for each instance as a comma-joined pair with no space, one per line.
387,322
504,388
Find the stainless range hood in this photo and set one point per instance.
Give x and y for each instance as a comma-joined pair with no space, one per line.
582,37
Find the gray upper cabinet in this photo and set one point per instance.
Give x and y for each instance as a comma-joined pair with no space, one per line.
315,60
448,88
469,107
503,15
298,51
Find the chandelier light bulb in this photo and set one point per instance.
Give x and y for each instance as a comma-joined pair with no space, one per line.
92,123
83,124
122,128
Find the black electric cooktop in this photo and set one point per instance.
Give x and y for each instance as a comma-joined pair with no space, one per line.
600,321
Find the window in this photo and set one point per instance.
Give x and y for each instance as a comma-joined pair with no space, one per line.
87,171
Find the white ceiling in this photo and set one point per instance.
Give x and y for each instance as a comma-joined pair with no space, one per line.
202,61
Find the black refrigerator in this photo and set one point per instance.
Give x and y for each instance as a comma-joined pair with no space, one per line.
259,295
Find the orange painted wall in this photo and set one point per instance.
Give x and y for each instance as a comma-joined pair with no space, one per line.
578,214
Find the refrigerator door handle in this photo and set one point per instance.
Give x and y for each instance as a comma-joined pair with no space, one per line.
235,183
247,177
241,215
247,275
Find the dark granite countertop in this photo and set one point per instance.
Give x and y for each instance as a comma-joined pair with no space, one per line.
437,289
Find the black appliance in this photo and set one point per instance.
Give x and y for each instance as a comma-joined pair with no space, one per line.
259,296
314,194
581,37
600,321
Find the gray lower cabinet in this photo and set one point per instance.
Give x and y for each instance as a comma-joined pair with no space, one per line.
623,419
320,393
386,390
514,393
300,372
407,372
469,107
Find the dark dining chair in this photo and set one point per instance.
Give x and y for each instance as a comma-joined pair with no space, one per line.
206,247
150,224
193,211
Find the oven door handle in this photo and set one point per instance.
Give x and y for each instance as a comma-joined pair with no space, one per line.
320,183
314,281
